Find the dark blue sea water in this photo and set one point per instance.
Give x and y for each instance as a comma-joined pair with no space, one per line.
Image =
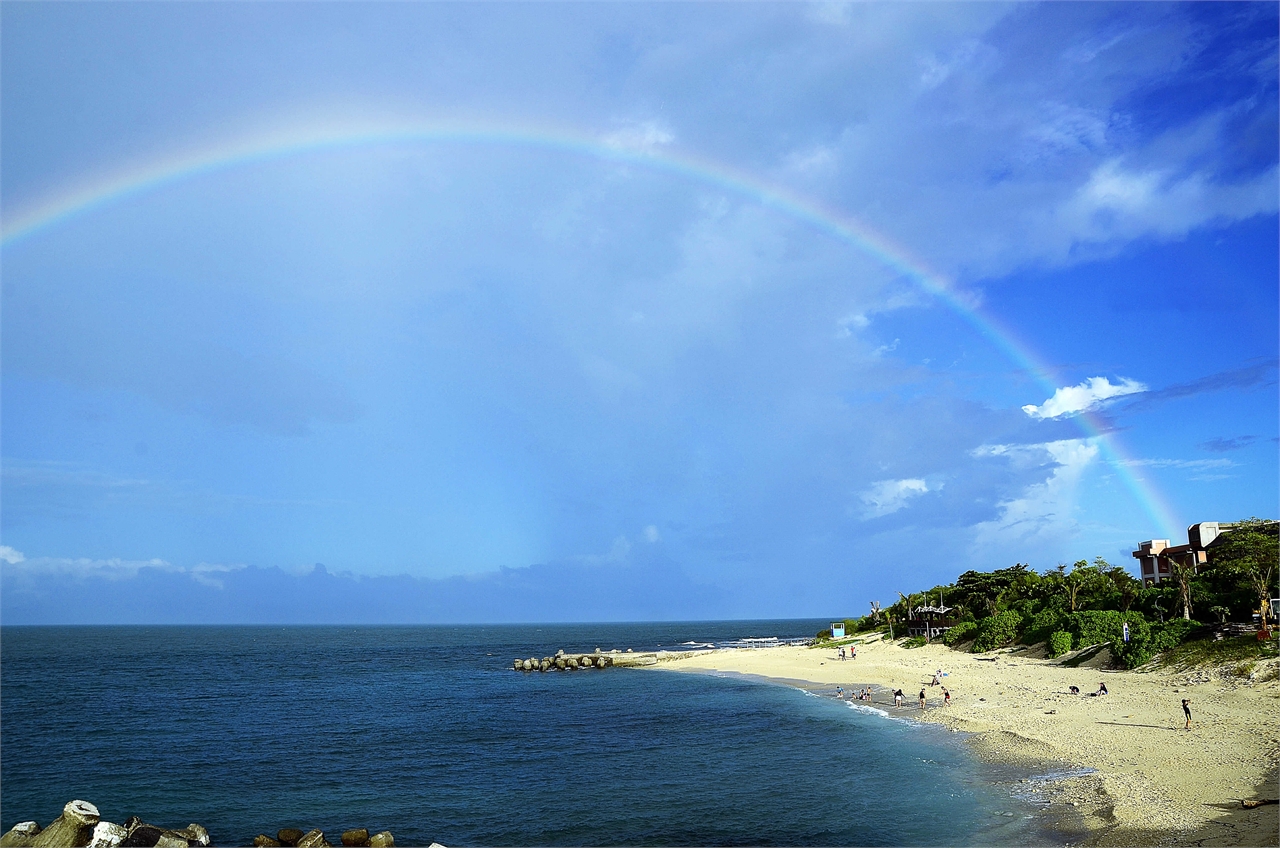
424,731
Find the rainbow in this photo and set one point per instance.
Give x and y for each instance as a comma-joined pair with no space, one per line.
150,176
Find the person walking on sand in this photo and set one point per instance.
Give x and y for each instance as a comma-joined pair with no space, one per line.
946,697
897,698
842,655
853,652
1186,709
922,699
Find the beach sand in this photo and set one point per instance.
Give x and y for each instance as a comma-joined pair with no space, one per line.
1154,783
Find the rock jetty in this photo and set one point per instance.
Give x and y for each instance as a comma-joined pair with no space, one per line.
598,660
80,826
295,838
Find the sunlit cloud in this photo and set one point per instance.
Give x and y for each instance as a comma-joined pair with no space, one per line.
1087,395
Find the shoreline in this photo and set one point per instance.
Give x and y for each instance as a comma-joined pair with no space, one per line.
1150,781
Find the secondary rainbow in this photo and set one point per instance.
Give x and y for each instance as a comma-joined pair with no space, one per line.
295,141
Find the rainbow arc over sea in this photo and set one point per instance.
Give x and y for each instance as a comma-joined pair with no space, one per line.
306,138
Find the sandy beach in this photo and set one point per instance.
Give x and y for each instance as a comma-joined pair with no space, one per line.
1153,781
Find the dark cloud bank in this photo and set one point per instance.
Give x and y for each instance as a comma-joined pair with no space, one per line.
654,589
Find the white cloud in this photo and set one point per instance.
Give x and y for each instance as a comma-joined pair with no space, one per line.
1045,512
1087,395
651,534
889,496
11,556
643,135
82,568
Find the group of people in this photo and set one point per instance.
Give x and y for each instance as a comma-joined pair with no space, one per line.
898,697
853,652
1102,690
863,695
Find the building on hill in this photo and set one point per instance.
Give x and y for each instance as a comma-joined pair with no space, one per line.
1157,558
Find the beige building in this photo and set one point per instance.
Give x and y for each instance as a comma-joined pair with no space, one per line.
1157,558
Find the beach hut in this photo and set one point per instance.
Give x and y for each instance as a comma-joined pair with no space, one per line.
837,630
930,621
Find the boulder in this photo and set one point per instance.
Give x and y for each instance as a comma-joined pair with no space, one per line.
107,835
518,665
359,836
382,839
195,834
313,839
139,834
264,841
289,836
169,839
560,663
21,835
72,829
572,662
544,665
601,662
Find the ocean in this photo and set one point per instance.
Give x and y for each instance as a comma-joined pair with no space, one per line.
428,733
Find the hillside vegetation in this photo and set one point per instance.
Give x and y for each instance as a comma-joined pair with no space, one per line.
1090,603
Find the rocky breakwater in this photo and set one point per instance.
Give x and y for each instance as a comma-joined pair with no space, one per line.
295,838
598,660
80,826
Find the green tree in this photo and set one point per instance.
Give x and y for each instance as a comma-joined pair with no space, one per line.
1251,549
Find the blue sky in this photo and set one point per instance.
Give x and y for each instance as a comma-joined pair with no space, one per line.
622,311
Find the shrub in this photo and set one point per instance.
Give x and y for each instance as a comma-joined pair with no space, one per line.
823,634
914,642
1094,627
1147,640
1059,643
997,630
959,633
1043,625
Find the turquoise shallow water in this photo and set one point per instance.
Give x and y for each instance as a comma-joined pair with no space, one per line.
424,731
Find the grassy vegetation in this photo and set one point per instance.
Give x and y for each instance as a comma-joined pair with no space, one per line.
1241,651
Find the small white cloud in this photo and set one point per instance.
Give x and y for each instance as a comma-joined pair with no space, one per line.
651,534
810,161
11,556
889,348
1087,395
644,135
889,496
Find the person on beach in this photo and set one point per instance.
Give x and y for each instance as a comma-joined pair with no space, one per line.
1186,710
1102,689
897,698
1075,690
946,697
840,692
842,655
853,652
937,680
922,699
